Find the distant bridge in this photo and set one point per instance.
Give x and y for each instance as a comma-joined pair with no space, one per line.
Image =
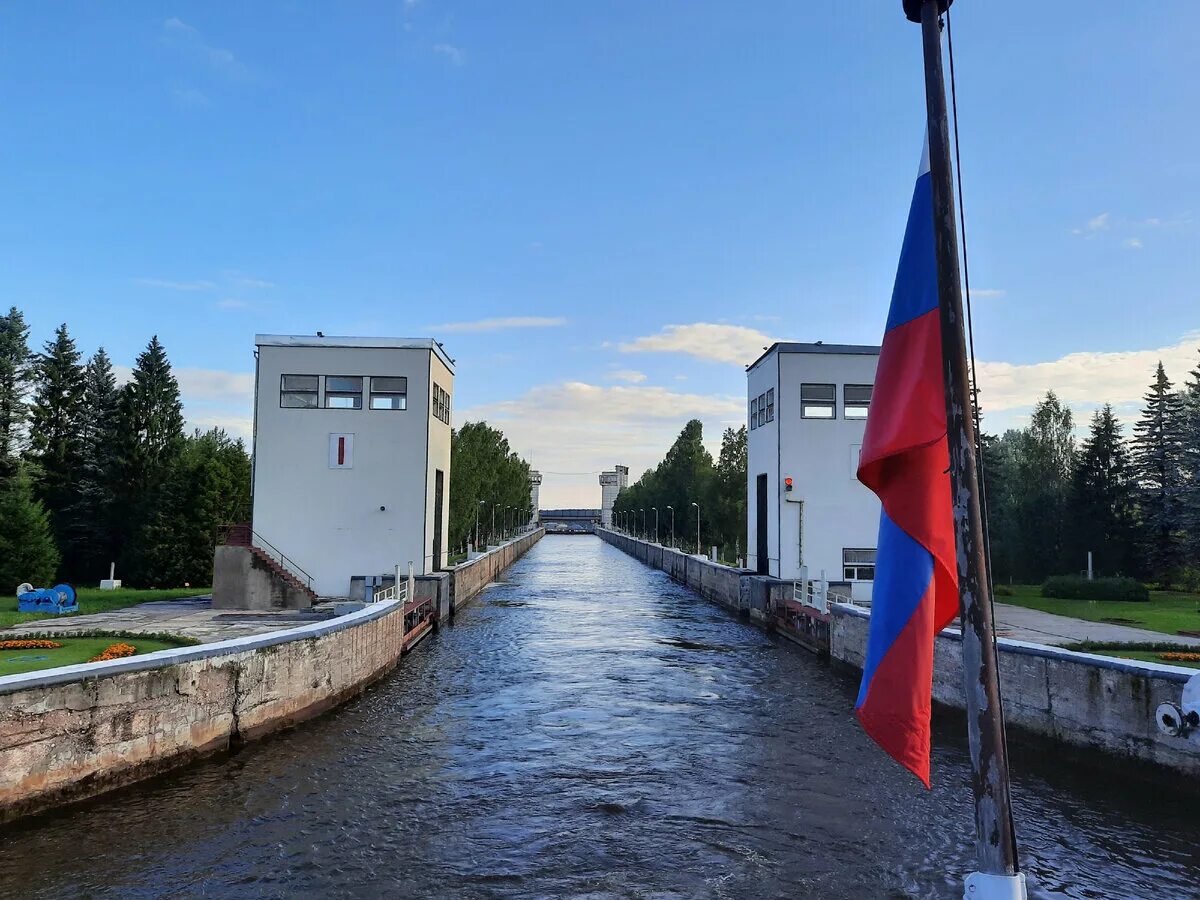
569,521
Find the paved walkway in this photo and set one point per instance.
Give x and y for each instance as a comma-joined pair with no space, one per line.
1039,627
193,617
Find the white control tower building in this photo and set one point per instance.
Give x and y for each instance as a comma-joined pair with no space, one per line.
611,485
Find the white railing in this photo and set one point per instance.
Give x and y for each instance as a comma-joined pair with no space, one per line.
399,590
817,593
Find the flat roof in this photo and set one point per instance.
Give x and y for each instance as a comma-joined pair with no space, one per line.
363,343
819,347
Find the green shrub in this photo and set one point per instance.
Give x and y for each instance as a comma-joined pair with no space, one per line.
1004,590
1077,587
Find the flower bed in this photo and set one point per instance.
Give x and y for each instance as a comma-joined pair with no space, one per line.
31,644
115,651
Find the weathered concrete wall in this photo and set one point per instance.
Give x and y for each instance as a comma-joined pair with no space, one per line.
1077,698
243,581
469,578
76,731
715,582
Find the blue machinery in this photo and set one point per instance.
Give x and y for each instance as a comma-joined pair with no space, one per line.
56,600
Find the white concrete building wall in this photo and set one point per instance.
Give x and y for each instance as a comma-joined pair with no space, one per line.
535,485
828,509
611,485
378,511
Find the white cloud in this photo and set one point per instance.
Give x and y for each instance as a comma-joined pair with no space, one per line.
190,97
632,376
986,293
1098,223
500,324
1133,244
168,285
705,340
584,429
452,53
246,282
231,303
1084,380
192,42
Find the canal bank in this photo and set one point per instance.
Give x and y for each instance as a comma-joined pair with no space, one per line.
1087,701
588,729
77,731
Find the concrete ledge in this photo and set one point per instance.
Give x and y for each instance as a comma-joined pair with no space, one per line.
160,658
469,578
1081,699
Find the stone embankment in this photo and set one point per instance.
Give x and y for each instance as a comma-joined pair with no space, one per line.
1081,699
76,731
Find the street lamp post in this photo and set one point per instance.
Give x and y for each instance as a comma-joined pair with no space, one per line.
481,503
642,530
697,505
655,508
492,533
672,509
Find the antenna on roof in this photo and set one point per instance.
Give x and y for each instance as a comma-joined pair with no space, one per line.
320,334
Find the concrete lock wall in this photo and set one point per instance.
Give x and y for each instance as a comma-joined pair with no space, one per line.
1082,699
1077,698
76,731
713,581
469,578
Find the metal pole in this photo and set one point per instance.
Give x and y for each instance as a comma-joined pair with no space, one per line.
996,845
655,508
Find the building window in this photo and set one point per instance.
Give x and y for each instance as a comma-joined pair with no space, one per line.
389,393
856,399
762,410
771,405
440,407
298,391
818,401
858,565
343,391
753,413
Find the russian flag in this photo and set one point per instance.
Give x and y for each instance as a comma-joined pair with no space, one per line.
905,460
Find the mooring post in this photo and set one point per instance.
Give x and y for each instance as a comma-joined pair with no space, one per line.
996,846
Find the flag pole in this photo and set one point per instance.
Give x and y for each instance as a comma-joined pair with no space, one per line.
996,846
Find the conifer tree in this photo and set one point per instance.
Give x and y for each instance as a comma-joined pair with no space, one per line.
1102,508
27,551
91,518
54,430
1044,463
1191,468
1158,465
15,362
151,436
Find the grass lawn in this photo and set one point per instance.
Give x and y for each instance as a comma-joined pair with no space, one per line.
94,600
1167,611
73,650
1146,656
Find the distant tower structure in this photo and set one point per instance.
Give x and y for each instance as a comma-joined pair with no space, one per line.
611,485
535,481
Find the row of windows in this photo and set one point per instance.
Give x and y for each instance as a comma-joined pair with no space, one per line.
762,409
817,401
342,391
858,564
441,404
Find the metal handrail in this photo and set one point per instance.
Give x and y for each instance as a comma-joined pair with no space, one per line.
392,592
253,539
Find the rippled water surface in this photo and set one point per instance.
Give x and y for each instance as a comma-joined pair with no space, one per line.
592,729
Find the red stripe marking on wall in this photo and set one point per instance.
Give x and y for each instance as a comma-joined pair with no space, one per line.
341,451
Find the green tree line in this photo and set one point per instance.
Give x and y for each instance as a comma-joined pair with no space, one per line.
1134,503
92,472
489,486
687,488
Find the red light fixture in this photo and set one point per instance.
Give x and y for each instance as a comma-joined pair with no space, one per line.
787,484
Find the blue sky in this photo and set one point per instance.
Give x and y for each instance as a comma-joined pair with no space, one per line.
603,210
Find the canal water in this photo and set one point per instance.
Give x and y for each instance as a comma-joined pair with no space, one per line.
591,729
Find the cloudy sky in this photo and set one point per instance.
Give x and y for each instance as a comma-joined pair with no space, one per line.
603,210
